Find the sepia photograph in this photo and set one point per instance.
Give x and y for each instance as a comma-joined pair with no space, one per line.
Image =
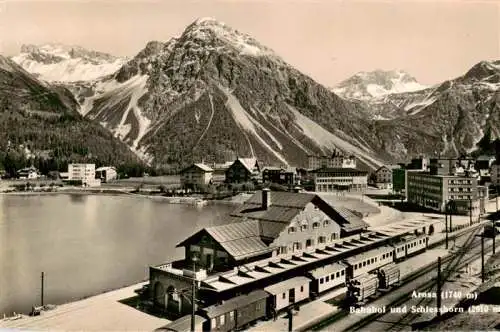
249,165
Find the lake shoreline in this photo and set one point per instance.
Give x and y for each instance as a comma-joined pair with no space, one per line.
186,200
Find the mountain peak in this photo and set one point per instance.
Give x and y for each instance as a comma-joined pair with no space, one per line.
483,70
368,85
213,34
67,63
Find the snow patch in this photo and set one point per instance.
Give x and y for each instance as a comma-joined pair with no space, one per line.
326,139
249,124
68,70
6,65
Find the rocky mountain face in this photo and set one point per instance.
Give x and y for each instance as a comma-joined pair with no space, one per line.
375,84
385,94
215,91
62,63
448,119
42,117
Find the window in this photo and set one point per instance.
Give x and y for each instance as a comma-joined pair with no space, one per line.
321,239
327,279
291,230
332,276
283,296
338,274
326,223
214,322
321,280
334,236
342,272
303,227
315,225
222,319
309,242
231,315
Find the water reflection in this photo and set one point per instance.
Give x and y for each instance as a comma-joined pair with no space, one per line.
87,244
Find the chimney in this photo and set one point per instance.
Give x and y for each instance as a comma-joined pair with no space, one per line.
266,198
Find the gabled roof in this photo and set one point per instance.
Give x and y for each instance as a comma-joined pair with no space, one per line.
286,205
200,166
239,239
485,157
249,163
105,168
389,167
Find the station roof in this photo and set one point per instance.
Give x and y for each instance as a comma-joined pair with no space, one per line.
403,227
268,267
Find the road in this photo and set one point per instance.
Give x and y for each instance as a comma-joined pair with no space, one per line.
424,281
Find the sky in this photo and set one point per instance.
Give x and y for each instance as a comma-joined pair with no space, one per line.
329,40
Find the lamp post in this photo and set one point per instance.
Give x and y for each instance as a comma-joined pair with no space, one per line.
451,209
446,223
482,255
194,259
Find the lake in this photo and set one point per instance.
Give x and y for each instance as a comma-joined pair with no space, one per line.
87,244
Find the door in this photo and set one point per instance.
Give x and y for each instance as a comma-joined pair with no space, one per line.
210,262
291,295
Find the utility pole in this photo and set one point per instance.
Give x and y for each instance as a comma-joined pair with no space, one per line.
451,213
439,288
482,257
470,211
193,295
42,282
494,229
290,320
446,223
496,196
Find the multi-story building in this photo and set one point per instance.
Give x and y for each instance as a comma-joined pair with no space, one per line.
196,176
495,173
436,191
483,165
420,163
279,175
29,173
336,160
243,170
84,173
106,173
335,179
451,166
269,225
383,176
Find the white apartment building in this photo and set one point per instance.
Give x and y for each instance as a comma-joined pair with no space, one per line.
84,173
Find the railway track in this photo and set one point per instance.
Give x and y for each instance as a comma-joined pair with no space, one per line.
451,268
404,298
452,263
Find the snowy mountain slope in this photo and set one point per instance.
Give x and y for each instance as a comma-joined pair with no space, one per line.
376,84
56,62
448,119
215,91
44,117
